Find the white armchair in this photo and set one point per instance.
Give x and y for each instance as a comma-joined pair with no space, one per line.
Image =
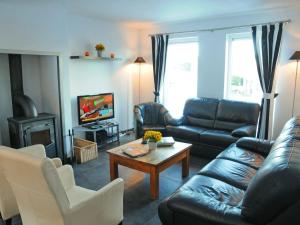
48,196
8,204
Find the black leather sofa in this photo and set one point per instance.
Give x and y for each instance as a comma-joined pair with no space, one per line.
253,182
209,124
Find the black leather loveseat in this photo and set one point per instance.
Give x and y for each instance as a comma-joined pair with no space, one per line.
209,124
253,182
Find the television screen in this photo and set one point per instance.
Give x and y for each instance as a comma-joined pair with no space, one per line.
95,107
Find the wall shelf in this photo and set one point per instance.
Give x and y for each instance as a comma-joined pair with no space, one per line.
94,58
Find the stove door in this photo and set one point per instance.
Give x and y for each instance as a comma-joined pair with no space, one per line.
41,132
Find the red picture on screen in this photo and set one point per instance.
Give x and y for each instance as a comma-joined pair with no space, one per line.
96,107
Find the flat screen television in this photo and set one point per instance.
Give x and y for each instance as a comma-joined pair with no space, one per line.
92,108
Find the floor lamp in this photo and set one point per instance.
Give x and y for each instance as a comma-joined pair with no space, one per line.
139,60
295,56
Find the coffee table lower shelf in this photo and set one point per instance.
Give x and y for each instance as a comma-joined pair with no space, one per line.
153,170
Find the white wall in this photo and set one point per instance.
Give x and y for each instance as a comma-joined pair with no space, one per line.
32,79
212,57
45,28
39,28
94,77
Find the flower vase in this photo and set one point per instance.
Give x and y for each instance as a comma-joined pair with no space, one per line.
152,145
99,53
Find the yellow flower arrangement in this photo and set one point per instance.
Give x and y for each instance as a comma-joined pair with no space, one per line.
152,135
100,47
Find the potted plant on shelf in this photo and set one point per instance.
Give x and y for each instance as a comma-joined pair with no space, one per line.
152,137
100,48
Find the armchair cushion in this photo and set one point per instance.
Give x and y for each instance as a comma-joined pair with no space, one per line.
244,131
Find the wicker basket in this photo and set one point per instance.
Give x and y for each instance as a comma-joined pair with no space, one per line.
85,150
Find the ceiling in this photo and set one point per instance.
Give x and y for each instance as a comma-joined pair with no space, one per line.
157,11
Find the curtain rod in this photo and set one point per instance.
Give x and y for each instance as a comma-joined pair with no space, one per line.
222,28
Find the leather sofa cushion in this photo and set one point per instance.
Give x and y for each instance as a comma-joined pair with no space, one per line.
233,173
242,156
219,138
200,112
189,133
205,200
233,114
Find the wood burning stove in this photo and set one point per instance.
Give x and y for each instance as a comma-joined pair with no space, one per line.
27,127
37,130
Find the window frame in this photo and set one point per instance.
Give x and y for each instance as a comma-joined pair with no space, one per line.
229,39
182,40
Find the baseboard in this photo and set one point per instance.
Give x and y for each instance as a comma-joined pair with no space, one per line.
127,132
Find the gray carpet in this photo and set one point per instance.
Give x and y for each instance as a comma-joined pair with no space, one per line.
139,209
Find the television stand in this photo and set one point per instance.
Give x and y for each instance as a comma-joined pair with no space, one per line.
102,134
92,126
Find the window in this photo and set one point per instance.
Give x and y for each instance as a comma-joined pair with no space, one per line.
180,82
241,80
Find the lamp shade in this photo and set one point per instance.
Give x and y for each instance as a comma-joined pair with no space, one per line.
139,60
295,56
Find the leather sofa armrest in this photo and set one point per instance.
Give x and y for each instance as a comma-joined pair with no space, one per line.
172,121
260,146
245,131
138,115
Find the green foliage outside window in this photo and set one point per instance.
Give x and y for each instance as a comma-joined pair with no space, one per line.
237,81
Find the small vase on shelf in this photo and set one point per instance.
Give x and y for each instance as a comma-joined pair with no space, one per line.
99,53
152,145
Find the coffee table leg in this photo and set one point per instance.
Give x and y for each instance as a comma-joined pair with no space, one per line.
186,165
154,183
114,173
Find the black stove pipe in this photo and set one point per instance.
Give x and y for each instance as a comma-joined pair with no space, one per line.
22,105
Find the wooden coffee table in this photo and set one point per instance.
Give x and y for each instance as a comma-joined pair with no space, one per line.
153,163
